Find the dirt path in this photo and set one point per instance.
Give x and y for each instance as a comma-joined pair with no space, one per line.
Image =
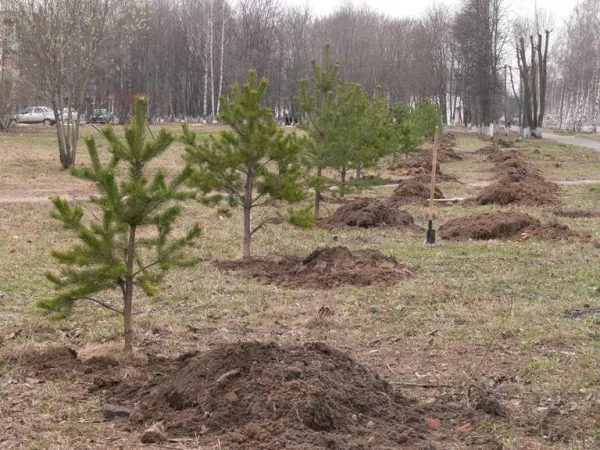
574,140
40,196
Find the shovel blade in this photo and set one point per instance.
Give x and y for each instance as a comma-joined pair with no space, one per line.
430,236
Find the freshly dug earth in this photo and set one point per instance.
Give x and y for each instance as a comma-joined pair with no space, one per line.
252,395
517,187
446,151
497,225
421,166
486,226
369,213
262,396
413,191
553,231
496,155
325,268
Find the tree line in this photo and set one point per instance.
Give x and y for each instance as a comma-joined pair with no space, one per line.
184,54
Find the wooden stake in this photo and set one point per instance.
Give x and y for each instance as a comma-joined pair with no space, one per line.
436,143
430,236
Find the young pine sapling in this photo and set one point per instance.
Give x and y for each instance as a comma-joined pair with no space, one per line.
132,245
251,165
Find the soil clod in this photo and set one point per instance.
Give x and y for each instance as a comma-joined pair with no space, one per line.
112,412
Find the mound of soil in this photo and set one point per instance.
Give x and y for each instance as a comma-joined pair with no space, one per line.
506,143
497,225
553,232
498,156
262,396
421,166
368,213
448,139
324,268
413,191
446,151
517,187
486,226
514,165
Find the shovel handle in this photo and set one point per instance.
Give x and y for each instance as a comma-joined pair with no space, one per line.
436,143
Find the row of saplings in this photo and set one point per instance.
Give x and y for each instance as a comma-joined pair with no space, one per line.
252,164
210,394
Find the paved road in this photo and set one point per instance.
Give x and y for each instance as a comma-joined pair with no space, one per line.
574,140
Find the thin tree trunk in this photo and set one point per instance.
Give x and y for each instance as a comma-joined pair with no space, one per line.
543,75
247,209
128,295
205,62
318,193
534,96
222,57
526,92
343,176
211,61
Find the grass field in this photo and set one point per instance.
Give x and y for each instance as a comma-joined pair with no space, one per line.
494,313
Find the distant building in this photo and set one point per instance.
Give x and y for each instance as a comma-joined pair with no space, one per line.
9,47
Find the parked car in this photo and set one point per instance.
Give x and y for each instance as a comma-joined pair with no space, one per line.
36,114
100,116
74,114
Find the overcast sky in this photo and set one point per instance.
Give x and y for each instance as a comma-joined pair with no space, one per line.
412,8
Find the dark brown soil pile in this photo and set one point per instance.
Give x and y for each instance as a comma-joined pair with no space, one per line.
494,225
421,166
517,187
413,191
576,214
498,225
499,156
325,268
553,232
263,396
448,139
505,143
369,213
446,152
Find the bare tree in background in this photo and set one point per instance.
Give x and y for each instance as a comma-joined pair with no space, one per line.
532,58
61,41
481,34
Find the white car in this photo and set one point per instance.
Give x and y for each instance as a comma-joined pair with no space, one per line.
74,114
36,114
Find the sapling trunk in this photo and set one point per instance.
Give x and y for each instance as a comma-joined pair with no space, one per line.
343,188
247,208
318,192
128,294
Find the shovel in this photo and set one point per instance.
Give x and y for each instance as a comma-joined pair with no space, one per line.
430,236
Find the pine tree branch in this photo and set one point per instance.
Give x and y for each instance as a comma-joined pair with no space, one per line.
158,261
264,164
101,303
